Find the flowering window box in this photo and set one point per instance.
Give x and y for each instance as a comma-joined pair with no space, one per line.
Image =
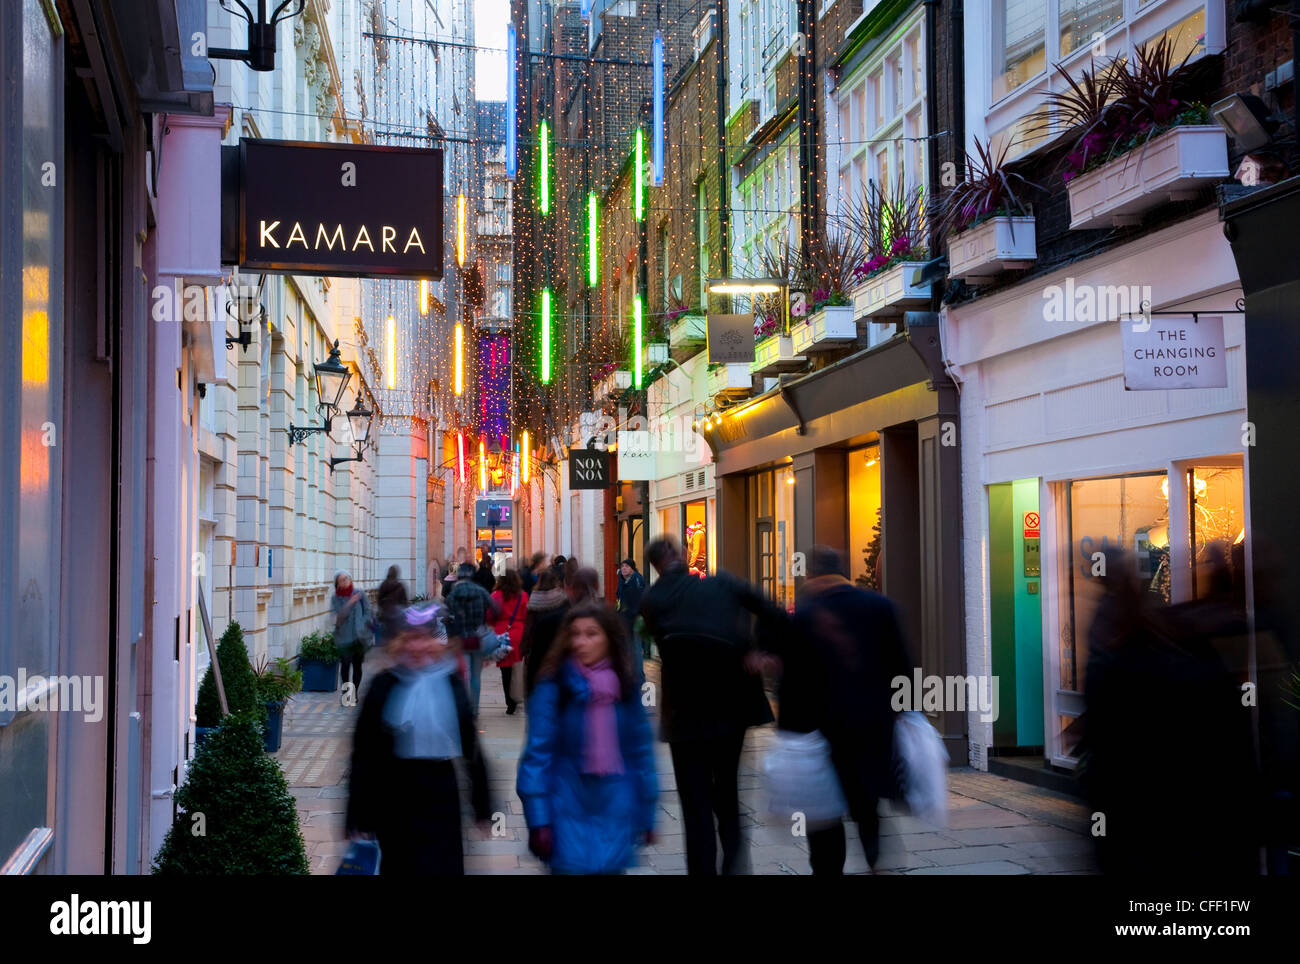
656,352
1170,167
885,296
832,327
997,245
729,378
775,354
687,335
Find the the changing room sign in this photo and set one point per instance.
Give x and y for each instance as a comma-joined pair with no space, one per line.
340,209
1174,352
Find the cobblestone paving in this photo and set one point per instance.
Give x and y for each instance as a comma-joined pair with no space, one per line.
996,825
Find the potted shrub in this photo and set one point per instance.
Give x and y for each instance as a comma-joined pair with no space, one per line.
773,344
990,227
234,813
318,659
830,323
1139,138
236,678
276,684
893,233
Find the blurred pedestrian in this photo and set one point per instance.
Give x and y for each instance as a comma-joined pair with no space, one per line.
415,721
704,630
435,579
1166,738
449,580
352,633
512,605
528,577
471,608
546,607
587,775
631,588
557,565
838,667
391,601
483,575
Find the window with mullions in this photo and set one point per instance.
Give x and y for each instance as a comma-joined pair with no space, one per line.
1029,37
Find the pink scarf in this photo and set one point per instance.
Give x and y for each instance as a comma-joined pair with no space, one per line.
600,753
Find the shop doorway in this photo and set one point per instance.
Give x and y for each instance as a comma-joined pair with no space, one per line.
695,536
1016,615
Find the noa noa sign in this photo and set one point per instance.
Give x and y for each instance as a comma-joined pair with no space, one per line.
339,209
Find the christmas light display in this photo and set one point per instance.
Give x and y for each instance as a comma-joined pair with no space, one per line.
593,233
424,296
460,455
512,108
638,177
636,342
390,337
546,336
514,470
544,169
460,359
460,230
657,58
482,466
526,455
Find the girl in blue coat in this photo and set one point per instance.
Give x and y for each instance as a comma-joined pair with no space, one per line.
587,776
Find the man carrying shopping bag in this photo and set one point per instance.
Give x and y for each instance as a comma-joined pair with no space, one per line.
834,700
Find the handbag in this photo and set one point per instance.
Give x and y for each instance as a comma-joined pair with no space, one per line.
800,778
361,860
921,767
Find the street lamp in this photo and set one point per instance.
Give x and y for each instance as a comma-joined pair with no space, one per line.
361,419
332,378
245,308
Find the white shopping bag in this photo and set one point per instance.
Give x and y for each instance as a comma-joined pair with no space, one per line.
800,778
922,765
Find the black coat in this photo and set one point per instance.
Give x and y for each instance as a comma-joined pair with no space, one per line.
483,576
838,665
412,806
540,629
704,628
391,600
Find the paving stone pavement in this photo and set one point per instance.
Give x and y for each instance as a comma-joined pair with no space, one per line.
996,825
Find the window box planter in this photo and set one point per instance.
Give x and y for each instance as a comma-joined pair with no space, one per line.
730,378
617,381
656,352
319,676
997,245
832,327
273,729
885,296
687,336
775,354
1170,167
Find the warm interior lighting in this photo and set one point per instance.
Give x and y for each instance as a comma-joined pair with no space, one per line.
460,230
460,358
592,273
391,339
424,296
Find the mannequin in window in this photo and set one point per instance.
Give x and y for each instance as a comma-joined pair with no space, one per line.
696,549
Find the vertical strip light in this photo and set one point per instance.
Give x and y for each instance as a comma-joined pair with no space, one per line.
514,470
546,336
460,230
658,149
391,339
545,168
482,466
525,456
638,179
636,341
460,358
592,271
512,107
460,454
424,296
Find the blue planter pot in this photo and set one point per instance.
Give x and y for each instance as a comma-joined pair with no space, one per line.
318,677
273,729
201,734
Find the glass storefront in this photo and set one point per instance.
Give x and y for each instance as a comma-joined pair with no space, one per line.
695,536
771,499
864,516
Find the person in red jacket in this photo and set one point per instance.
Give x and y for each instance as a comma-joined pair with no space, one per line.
512,605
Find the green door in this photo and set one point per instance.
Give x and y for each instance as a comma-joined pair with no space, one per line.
1016,615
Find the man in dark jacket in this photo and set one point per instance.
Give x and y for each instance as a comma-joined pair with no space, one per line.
631,589
837,672
704,628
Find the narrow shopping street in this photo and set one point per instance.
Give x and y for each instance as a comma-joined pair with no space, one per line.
996,825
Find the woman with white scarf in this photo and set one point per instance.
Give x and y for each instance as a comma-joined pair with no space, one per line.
414,723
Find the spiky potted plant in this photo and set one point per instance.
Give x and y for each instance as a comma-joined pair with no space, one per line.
277,681
829,325
987,219
893,228
773,344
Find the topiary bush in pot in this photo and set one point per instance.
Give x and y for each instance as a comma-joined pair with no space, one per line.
235,815
237,677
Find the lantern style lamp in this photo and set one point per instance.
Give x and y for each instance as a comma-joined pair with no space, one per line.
332,378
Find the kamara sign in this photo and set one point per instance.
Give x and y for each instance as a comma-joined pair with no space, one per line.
337,209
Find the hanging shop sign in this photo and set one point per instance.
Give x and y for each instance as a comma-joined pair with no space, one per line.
1174,351
731,338
588,468
493,514
636,457
334,209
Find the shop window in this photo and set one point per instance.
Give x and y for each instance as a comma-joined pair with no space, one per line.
864,517
695,537
1216,495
